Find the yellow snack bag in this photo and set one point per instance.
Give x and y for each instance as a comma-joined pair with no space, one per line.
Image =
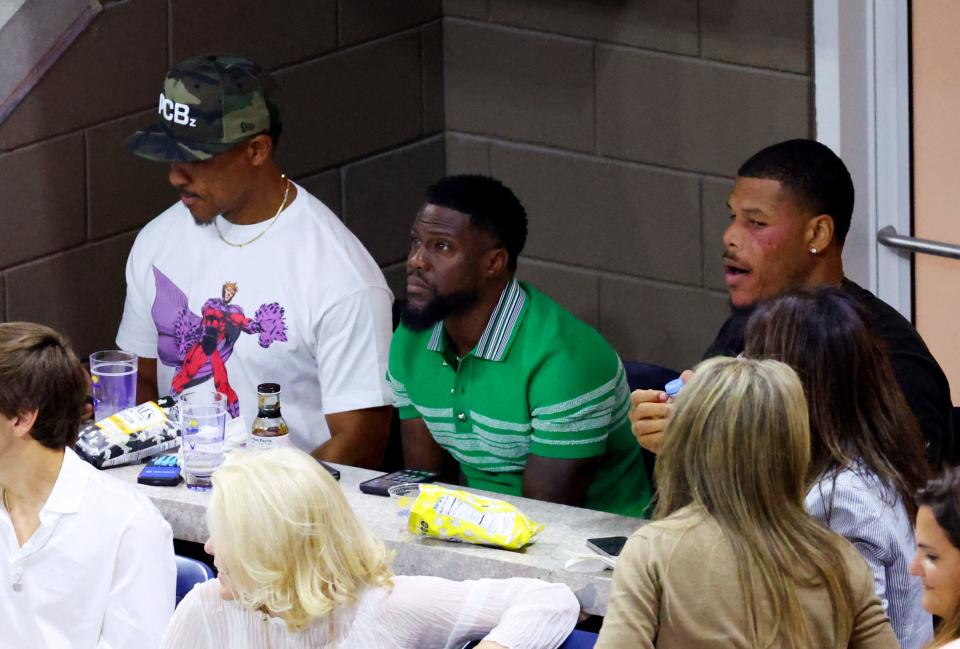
460,516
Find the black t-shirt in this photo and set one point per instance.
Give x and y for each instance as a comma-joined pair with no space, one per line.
919,375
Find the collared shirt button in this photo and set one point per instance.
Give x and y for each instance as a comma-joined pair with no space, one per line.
462,417
452,390
444,363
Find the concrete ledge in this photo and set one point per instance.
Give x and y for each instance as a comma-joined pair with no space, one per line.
566,531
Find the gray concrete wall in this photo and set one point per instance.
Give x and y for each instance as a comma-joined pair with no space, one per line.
618,123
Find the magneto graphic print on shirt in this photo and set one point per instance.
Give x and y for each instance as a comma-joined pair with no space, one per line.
199,346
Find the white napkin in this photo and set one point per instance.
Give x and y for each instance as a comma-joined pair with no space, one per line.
589,562
235,434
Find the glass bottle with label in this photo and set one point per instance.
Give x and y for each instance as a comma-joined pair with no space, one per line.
269,428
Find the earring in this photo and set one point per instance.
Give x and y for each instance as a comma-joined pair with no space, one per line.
813,251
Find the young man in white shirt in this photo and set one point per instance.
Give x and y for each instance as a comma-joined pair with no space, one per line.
249,279
85,560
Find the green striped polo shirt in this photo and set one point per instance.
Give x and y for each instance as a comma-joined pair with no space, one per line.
539,382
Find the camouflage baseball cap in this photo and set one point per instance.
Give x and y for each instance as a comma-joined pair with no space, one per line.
208,104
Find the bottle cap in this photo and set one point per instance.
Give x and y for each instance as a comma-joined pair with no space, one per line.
673,387
268,388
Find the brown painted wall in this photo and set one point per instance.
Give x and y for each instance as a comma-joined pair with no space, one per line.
936,136
617,122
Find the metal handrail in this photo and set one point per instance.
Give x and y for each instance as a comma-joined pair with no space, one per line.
889,237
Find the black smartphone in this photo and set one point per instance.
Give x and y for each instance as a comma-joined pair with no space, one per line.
379,485
608,546
162,471
334,472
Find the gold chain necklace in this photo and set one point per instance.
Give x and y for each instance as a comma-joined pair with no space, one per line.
283,203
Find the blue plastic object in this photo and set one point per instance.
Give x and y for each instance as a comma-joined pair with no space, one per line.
190,572
673,388
580,640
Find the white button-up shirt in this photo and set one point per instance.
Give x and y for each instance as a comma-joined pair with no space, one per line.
99,572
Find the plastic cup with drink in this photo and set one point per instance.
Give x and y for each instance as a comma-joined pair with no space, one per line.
203,419
403,496
113,374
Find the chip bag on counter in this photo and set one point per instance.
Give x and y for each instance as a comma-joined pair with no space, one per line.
461,516
130,436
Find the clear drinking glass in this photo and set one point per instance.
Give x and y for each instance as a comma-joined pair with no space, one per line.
113,374
203,420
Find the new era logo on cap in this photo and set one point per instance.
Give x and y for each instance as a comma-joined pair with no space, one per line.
208,105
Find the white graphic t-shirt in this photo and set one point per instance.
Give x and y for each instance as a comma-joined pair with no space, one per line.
304,305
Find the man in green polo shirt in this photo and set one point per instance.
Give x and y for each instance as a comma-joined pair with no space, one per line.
490,373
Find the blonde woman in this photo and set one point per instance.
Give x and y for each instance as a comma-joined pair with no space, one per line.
297,569
732,559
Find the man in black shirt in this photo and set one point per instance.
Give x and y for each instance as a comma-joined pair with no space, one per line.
790,212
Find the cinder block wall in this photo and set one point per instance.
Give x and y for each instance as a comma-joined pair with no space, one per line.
362,88
619,123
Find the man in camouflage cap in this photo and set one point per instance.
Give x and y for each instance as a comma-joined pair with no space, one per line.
308,306
208,105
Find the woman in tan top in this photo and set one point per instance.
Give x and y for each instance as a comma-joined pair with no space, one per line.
733,560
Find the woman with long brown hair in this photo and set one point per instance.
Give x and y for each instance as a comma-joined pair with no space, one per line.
732,559
938,554
867,454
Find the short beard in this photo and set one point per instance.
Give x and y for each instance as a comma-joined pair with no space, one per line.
440,307
202,223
